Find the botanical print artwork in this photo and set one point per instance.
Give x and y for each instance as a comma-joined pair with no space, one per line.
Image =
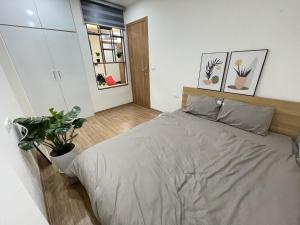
244,71
241,75
212,70
211,65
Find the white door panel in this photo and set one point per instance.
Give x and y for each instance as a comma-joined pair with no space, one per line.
66,54
55,14
19,12
32,60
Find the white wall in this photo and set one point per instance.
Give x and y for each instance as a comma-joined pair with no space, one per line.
22,163
179,31
16,206
102,99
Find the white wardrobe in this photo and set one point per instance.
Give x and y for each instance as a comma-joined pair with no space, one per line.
45,51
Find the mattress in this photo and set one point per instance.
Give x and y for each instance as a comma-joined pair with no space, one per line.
179,169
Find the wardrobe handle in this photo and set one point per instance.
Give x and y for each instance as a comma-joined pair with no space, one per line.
54,75
59,74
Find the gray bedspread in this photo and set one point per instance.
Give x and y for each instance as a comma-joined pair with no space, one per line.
179,169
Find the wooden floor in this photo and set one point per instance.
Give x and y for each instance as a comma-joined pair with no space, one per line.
69,204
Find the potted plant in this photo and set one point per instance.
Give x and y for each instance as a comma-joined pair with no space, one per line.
242,74
100,79
209,70
56,132
98,57
119,54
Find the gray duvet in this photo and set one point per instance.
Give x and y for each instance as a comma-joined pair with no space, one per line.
179,169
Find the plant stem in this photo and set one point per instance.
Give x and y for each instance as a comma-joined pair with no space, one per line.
71,138
48,145
65,138
58,140
72,133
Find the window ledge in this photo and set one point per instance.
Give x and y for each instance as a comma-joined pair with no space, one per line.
109,87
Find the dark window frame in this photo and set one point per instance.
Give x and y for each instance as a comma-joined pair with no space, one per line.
113,49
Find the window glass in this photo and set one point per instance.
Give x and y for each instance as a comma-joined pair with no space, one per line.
92,28
108,54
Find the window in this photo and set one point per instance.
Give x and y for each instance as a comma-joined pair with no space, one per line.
108,53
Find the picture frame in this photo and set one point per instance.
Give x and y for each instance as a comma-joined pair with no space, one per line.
244,71
212,70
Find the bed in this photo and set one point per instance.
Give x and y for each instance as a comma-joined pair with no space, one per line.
179,169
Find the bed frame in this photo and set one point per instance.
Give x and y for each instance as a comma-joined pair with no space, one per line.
286,119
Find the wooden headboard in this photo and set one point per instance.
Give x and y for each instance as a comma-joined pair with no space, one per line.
286,119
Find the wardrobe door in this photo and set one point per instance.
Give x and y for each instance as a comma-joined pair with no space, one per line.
66,53
19,13
55,14
31,58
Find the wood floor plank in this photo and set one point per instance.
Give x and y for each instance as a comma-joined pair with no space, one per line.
69,204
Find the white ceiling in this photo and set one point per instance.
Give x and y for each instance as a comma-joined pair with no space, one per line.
123,2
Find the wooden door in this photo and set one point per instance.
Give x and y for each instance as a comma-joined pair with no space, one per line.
139,61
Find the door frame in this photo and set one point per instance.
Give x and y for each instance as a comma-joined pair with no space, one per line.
143,19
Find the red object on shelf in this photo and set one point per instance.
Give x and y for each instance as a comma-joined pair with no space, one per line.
110,80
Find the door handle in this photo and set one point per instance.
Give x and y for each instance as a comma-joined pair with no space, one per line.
54,75
59,74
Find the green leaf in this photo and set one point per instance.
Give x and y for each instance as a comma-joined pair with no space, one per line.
19,120
52,112
26,145
78,122
56,116
62,130
52,130
71,115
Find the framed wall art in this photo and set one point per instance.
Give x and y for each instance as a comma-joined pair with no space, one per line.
212,68
244,71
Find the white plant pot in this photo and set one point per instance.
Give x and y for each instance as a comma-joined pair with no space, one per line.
63,161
